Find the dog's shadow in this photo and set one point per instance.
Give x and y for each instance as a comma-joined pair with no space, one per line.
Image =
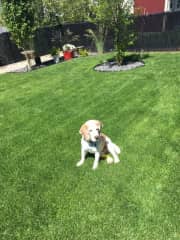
91,155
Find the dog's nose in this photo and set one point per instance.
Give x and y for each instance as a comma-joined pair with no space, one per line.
96,137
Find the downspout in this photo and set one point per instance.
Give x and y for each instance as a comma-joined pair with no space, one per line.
166,9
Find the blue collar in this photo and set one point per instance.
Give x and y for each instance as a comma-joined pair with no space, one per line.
92,144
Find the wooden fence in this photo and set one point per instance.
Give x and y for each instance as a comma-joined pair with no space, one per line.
155,32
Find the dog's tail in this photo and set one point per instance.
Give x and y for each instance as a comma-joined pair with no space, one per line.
117,149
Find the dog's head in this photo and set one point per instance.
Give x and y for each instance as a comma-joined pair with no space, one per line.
90,130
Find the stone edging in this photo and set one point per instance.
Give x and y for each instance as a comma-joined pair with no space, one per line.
114,67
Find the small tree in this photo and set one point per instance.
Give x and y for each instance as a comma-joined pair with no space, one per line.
50,12
74,10
115,15
122,23
1,19
100,17
20,18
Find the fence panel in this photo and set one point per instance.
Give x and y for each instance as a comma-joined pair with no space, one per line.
155,32
158,41
9,52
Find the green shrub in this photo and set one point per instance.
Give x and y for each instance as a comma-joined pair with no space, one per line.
83,52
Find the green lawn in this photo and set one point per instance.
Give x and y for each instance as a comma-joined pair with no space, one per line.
44,196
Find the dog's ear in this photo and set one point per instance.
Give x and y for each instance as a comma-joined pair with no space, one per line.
84,131
99,123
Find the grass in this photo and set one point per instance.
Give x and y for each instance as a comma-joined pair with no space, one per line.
43,196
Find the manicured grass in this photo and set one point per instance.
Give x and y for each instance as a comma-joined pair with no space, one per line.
44,196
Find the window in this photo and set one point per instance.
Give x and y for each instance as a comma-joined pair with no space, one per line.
178,4
174,5
171,4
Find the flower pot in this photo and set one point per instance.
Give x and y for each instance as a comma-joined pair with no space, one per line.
67,55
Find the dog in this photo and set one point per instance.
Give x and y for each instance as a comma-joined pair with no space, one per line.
97,143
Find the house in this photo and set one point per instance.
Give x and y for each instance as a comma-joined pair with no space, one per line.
146,7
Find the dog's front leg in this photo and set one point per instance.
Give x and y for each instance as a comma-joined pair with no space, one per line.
96,160
83,155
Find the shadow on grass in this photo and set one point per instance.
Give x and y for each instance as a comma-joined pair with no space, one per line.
130,58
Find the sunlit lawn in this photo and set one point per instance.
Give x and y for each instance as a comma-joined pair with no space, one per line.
44,196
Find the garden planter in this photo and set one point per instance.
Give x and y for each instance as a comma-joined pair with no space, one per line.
68,55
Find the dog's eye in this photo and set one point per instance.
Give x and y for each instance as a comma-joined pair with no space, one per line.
90,130
98,129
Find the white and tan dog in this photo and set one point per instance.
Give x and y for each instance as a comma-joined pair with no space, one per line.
93,141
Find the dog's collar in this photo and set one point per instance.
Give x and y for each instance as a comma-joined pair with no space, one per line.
92,144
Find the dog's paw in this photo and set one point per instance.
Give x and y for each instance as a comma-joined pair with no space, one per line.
78,164
94,167
117,160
